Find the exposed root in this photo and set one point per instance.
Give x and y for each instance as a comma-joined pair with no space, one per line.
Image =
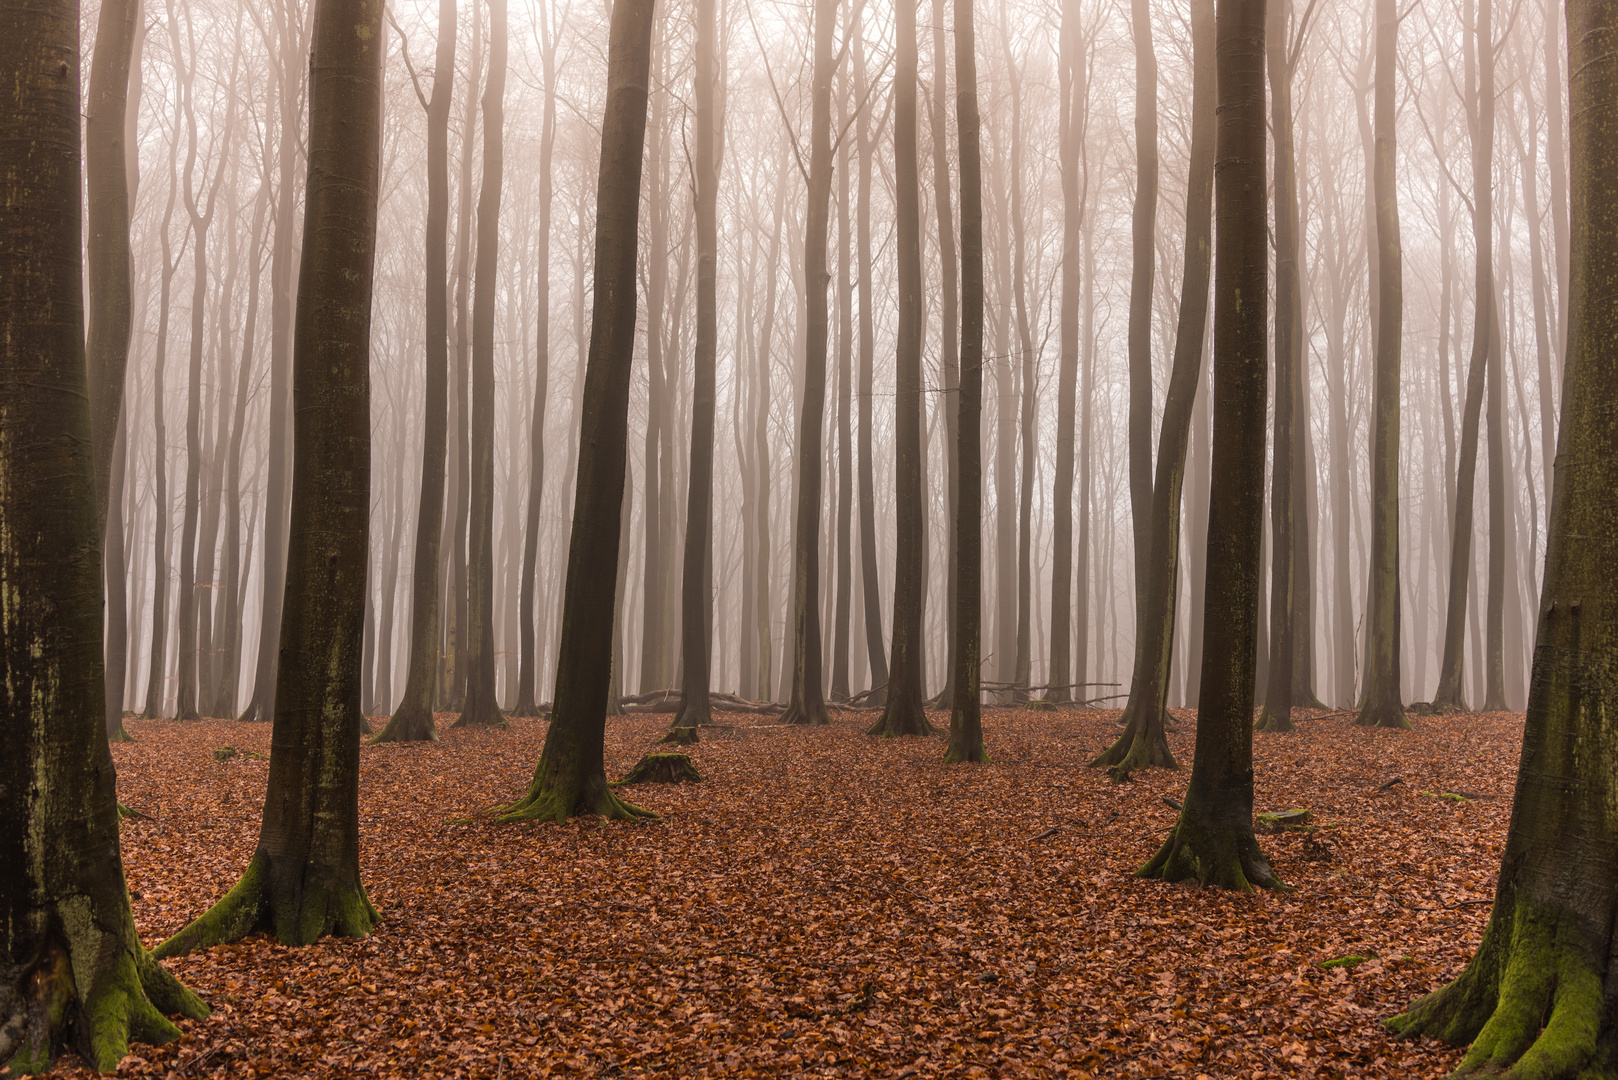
1211,852
1135,749
1383,716
546,802
898,719
801,715
409,724
1273,720
295,915
1530,1004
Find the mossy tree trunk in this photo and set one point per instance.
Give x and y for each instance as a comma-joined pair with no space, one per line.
72,969
1144,743
904,712
303,880
966,704
1381,704
1536,1000
412,720
807,704
1213,840
570,778
695,593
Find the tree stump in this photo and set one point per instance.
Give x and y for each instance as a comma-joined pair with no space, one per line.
662,769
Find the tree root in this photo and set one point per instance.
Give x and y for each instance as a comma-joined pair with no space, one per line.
1530,1005
1211,853
1383,716
800,715
593,796
662,769
1273,720
300,915
408,724
897,720
489,717
1136,749
960,752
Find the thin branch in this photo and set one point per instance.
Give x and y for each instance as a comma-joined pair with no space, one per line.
404,50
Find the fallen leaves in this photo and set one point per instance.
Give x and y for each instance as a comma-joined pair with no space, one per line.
828,903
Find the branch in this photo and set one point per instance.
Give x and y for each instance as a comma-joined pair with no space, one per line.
797,151
404,50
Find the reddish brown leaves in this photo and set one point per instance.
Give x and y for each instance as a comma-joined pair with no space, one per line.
831,903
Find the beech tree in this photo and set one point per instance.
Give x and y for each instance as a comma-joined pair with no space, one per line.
1532,1002
302,882
72,968
1213,839
412,720
570,777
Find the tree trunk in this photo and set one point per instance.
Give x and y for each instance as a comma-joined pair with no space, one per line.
842,600
570,778
303,880
966,711
72,969
1480,104
1532,1000
808,704
1144,236
1276,714
1213,839
412,721
905,710
1381,704
949,328
695,593
481,708
1144,743
528,659
870,584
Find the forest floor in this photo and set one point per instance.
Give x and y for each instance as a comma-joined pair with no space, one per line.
827,903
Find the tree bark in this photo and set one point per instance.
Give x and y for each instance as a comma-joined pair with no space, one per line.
966,711
870,583
481,707
72,968
695,593
1213,839
1144,742
303,880
808,703
412,721
905,710
570,777
1381,704
1532,1000
1143,228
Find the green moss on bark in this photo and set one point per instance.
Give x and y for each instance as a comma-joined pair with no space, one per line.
298,910
1211,850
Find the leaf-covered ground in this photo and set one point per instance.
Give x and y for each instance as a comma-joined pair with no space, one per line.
826,903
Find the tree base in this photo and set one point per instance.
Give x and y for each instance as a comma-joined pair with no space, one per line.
44,1009
489,717
800,715
662,769
959,751
299,911
118,733
524,710
1139,747
1211,852
408,724
1383,716
1531,1005
694,716
548,801
679,735
255,713
1273,720
897,720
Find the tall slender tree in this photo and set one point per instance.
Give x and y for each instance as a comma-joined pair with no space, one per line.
870,587
480,707
72,968
412,720
808,701
1143,269
905,710
1213,839
966,711
1144,741
570,777
1381,703
696,603
303,882
1533,1000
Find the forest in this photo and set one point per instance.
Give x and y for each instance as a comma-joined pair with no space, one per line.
744,537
